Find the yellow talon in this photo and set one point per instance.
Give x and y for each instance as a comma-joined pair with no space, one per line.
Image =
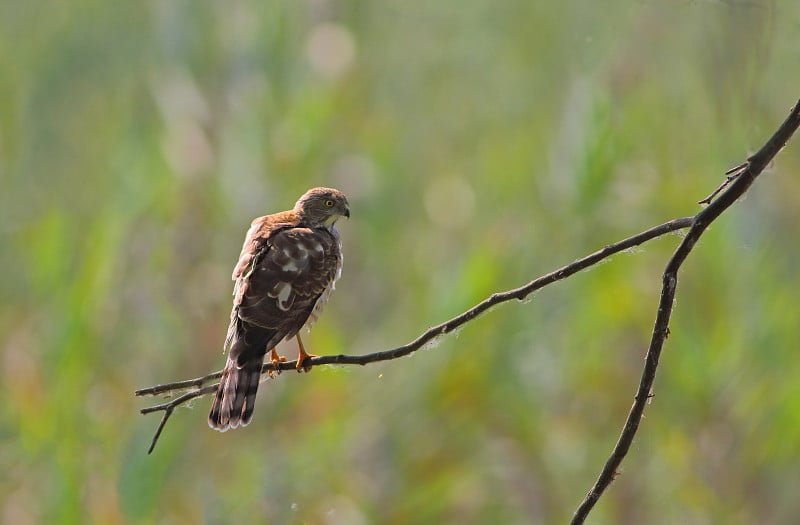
302,356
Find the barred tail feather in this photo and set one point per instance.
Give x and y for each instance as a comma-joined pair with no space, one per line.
236,395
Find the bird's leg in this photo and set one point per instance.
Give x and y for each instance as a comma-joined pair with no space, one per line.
302,356
275,359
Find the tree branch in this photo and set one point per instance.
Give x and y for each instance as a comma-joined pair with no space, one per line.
200,386
738,181
737,184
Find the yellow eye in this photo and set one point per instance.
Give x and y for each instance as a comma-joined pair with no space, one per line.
329,203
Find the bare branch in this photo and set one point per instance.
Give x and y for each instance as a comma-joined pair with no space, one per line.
171,388
170,406
197,387
745,175
738,181
732,174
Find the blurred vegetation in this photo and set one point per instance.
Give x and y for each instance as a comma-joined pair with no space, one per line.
482,144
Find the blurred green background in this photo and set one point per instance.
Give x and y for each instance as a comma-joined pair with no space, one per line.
481,144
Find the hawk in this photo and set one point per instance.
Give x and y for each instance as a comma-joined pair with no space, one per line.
286,271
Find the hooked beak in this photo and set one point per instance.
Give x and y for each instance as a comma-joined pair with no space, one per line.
347,212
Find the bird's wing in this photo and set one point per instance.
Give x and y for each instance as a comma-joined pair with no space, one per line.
256,242
287,272
258,239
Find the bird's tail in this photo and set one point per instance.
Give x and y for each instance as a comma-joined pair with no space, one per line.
236,394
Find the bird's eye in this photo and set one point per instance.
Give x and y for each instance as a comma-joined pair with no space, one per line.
328,203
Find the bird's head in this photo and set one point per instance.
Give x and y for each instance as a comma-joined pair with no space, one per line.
322,207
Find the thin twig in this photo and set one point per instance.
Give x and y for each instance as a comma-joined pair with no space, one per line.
170,406
732,174
170,388
746,173
197,386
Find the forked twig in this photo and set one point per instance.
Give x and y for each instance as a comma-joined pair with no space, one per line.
732,174
745,174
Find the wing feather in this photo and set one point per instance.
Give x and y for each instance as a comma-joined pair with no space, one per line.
281,275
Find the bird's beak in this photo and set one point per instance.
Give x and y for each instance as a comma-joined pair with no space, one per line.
347,212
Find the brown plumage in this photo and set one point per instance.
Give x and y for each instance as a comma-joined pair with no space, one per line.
287,268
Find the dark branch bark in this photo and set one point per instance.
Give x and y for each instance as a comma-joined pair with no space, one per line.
197,387
737,185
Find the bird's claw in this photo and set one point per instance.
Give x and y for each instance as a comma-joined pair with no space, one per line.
301,358
275,360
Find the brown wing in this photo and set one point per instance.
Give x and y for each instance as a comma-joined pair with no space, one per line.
287,272
256,242
258,239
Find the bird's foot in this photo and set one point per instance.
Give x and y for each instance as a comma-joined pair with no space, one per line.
301,358
275,360
302,355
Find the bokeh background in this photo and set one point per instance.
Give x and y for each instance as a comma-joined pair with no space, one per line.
482,144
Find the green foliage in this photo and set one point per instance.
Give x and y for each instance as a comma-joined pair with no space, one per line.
482,144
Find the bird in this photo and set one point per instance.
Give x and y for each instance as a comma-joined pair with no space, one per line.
286,271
